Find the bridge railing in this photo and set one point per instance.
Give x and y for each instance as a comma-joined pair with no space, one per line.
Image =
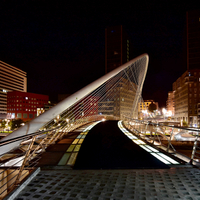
22,160
180,141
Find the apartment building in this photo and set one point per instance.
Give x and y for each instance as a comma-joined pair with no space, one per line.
186,91
170,102
11,78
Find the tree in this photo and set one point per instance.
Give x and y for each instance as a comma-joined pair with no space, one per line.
185,123
3,124
152,107
16,123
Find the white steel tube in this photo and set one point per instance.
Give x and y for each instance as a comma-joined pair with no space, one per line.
37,123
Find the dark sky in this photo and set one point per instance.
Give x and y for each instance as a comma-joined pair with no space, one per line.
60,44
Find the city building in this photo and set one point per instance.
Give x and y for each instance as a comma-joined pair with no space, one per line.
86,107
198,113
11,78
117,52
121,101
23,105
143,107
117,48
170,103
186,91
193,39
46,107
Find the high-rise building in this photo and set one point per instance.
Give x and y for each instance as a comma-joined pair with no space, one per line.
186,91
170,102
117,52
11,78
193,39
121,102
117,48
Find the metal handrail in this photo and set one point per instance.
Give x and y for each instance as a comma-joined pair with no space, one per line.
195,158
5,142
170,126
18,166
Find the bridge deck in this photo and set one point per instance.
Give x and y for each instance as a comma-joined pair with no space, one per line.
151,184
59,182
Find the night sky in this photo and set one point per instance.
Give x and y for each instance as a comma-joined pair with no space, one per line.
61,45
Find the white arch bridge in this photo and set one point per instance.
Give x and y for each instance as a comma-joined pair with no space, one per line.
113,96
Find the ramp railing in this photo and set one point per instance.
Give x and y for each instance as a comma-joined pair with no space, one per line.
18,163
176,140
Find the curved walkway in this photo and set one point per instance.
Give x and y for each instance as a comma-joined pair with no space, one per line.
180,182
107,147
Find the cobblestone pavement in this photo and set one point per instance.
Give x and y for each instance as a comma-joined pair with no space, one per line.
165,184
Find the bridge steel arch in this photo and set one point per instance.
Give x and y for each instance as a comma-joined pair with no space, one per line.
139,64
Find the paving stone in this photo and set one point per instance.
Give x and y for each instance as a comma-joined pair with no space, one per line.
154,184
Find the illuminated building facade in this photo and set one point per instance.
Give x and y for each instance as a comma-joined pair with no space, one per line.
121,103
193,39
170,102
11,78
198,112
23,105
145,105
117,52
187,96
45,108
80,109
92,109
117,48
